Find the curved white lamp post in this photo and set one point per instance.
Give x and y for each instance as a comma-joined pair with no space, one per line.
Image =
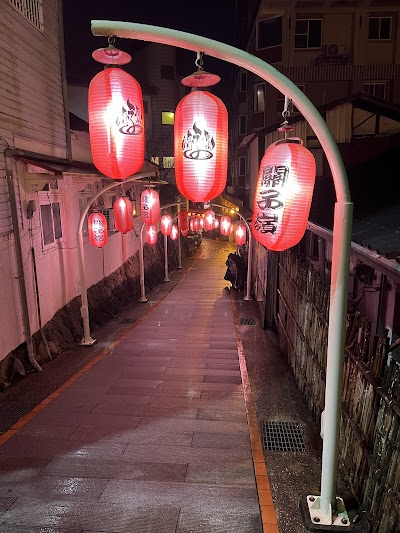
323,508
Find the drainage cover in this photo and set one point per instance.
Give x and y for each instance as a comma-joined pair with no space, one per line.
247,322
282,437
10,414
127,320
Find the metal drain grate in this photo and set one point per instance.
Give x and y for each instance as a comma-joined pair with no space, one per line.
282,437
127,320
247,322
10,414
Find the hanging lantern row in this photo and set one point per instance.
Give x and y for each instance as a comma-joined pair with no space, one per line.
209,220
174,232
150,206
283,194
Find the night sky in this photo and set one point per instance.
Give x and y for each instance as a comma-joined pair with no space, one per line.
216,19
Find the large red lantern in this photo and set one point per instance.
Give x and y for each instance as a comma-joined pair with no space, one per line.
183,222
166,224
97,227
283,194
123,214
209,220
151,234
174,232
116,117
201,141
225,225
240,235
150,206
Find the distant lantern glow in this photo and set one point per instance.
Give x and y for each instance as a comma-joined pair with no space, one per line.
174,232
151,234
216,223
209,220
97,228
184,232
225,225
201,223
150,206
183,222
240,235
283,195
123,214
191,224
116,123
201,146
166,224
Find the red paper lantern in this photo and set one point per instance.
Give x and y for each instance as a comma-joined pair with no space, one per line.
201,146
151,234
150,206
116,124
97,227
191,224
209,220
166,224
184,232
174,232
183,222
240,235
225,225
196,224
123,212
216,223
201,222
283,194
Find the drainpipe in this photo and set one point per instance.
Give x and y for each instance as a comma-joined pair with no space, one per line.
64,78
20,264
38,304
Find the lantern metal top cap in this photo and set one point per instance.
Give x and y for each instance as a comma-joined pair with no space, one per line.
111,56
201,78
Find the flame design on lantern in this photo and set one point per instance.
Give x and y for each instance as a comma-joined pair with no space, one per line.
198,144
130,121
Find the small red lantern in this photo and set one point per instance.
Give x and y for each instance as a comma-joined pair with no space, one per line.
191,224
97,227
283,194
201,222
183,222
225,226
174,232
123,212
209,220
166,224
150,206
240,235
196,224
116,117
151,234
201,141
184,232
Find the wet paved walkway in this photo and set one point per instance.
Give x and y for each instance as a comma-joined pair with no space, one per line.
152,437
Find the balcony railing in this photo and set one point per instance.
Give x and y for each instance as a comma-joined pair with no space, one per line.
341,72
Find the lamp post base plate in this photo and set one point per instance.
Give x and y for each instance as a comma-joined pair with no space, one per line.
347,518
90,342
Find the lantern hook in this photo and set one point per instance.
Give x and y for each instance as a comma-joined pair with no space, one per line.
199,61
111,40
284,127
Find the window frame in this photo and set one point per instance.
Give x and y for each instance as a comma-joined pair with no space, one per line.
374,84
241,158
31,11
255,107
386,39
307,34
243,75
239,124
50,198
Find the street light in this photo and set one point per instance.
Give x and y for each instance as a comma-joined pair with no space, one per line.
323,509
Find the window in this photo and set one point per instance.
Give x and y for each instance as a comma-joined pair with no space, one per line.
50,217
146,107
259,98
242,166
380,28
243,82
167,72
280,102
169,162
375,89
167,117
269,33
32,10
308,33
242,124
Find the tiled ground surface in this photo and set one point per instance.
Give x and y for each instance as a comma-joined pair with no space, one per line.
151,438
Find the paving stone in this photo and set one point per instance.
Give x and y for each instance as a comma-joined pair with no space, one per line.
222,379
83,419
6,500
132,436
47,431
206,521
182,454
238,472
31,529
220,415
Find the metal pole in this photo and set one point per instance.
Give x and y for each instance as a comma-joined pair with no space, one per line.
87,339
341,229
179,250
166,278
143,298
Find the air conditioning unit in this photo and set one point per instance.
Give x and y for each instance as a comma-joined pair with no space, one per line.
331,49
109,215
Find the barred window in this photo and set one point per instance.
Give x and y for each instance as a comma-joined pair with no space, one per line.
32,10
